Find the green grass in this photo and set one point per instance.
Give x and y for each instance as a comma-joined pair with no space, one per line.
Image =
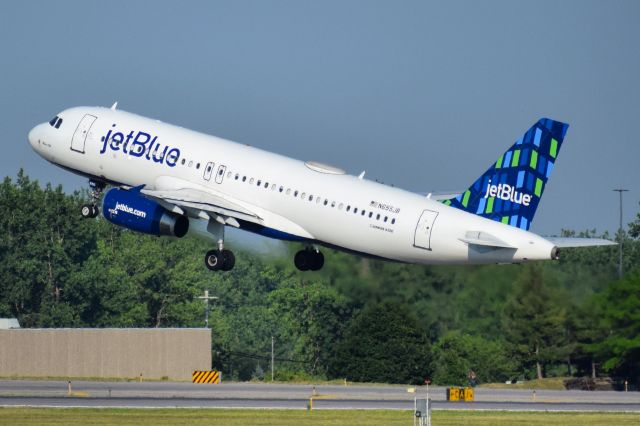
552,383
92,416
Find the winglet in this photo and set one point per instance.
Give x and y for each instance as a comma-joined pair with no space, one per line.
114,106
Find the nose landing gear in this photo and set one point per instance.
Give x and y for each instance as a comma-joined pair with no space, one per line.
91,210
309,259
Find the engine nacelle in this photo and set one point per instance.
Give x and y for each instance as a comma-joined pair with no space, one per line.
132,210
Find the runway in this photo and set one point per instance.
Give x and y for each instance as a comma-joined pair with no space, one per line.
30,393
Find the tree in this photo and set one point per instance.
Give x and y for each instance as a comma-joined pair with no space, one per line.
534,323
621,318
383,343
457,353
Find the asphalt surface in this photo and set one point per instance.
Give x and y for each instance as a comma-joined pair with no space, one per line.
279,396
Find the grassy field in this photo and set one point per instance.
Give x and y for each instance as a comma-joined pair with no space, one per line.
553,383
80,416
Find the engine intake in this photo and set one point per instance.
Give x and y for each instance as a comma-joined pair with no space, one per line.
132,210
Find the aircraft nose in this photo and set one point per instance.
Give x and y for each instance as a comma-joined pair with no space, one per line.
34,136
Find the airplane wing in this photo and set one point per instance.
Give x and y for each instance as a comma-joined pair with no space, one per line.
202,202
565,242
185,197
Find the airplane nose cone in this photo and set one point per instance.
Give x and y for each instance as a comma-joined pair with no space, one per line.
33,136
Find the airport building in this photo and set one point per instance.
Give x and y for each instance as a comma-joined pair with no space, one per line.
147,353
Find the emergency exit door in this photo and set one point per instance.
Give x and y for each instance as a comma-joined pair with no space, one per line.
422,237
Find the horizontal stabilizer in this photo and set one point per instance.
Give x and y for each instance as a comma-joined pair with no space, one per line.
480,238
563,242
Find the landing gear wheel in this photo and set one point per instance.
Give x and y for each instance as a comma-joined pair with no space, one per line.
309,260
217,260
317,261
228,260
213,260
89,211
301,260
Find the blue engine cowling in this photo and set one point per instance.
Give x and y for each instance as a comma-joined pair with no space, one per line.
132,210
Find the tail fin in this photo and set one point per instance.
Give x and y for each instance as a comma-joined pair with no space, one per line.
509,192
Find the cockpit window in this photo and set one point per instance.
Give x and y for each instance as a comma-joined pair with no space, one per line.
55,122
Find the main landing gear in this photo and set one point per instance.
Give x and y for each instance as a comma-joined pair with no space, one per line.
91,210
220,260
309,259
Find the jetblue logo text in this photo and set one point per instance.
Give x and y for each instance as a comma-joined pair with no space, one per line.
507,192
140,144
125,208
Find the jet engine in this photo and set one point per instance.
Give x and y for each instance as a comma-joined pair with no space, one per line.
132,210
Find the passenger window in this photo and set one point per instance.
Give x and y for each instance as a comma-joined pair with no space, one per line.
326,201
244,178
251,181
318,200
190,163
208,169
259,182
197,165
310,197
273,187
229,175
295,194
378,216
385,218
355,210
237,176
266,184
221,172
348,208
393,221
288,191
281,189
333,204
340,206
304,195
370,215
183,161
363,212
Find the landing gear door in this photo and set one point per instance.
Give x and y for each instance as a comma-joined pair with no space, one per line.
82,131
208,170
220,173
422,237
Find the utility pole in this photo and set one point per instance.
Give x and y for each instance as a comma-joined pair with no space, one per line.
206,299
620,191
272,358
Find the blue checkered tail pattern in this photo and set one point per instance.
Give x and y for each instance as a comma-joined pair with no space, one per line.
510,191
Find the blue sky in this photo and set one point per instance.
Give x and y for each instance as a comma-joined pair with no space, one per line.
423,95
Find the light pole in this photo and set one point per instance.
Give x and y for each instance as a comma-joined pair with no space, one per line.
620,191
206,299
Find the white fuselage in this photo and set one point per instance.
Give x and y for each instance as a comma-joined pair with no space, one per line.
296,200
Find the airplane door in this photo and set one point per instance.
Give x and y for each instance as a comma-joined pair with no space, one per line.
422,237
220,174
80,135
208,170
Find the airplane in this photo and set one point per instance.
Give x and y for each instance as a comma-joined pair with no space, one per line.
170,181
